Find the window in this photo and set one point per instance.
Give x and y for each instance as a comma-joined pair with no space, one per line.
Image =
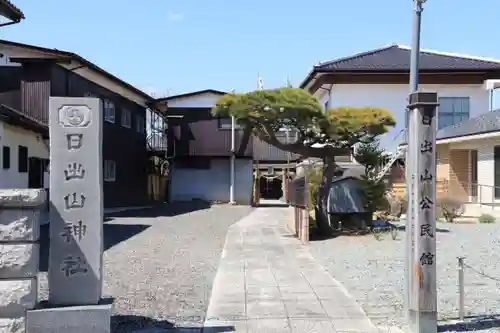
22,159
109,111
109,171
452,111
139,124
6,157
225,123
126,118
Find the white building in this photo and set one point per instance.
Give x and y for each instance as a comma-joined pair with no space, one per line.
199,148
380,78
469,132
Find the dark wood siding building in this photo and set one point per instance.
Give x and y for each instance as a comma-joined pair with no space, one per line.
25,91
124,144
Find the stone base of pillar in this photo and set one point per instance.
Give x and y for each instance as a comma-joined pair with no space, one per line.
20,211
74,319
423,322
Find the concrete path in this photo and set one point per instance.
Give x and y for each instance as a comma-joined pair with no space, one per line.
160,264
268,282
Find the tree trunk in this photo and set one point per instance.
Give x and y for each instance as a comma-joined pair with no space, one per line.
329,167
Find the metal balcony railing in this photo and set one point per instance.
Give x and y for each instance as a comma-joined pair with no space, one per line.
464,192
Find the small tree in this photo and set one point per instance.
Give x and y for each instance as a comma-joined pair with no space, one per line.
320,134
372,157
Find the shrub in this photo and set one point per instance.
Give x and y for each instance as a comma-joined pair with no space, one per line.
371,157
395,205
314,178
449,209
486,218
312,219
404,206
374,195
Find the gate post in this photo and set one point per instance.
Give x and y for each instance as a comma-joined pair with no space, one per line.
285,186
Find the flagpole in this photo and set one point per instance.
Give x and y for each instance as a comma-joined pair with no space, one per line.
233,159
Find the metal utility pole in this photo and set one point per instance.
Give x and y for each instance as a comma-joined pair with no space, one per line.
287,170
233,159
420,263
415,46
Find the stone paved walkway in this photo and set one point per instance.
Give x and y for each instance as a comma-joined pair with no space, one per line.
268,282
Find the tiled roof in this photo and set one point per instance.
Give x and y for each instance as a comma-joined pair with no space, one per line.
10,11
486,123
397,58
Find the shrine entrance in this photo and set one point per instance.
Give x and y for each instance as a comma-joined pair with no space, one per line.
271,187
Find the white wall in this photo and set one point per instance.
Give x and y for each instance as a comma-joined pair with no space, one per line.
205,100
213,184
13,137
394,98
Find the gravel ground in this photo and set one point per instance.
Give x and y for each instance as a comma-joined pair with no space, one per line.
373,272
160,268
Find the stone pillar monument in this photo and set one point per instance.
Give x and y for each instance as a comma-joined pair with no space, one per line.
76,221
421,259
285,185
256,186
19,253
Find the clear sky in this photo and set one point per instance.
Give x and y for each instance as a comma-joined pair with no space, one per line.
185,45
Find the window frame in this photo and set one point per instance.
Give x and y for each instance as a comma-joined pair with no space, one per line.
123,113
108,106
139,120
109,171
6,161
22,159
455,116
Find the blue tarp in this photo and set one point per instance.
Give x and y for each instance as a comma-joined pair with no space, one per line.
345,197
